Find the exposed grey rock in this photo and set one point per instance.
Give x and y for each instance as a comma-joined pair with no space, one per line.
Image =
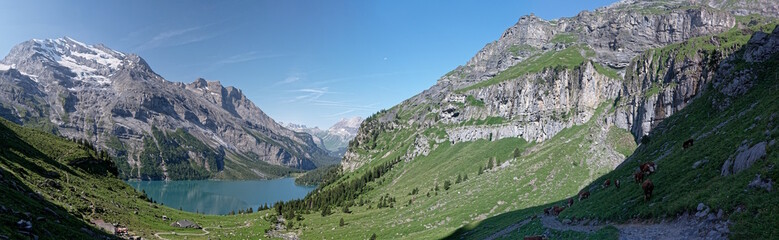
701,206
24,225
336,138
703,211
744,158
537,105
92,92
761,183
421,148
699,163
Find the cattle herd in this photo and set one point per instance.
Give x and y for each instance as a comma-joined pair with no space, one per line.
643,171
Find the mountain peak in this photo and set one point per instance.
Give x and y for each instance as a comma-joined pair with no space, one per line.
89,64
346,127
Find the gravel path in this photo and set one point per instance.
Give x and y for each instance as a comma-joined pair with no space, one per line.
507,230
705,226
205,231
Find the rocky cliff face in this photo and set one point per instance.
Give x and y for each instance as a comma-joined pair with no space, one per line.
116,101
648,59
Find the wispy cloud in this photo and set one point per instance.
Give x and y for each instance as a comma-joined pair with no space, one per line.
246,57
239,58
176,37
309,94
363,76
291,78
341,113
345,105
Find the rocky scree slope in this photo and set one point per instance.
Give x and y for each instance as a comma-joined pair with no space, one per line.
542,76
157,129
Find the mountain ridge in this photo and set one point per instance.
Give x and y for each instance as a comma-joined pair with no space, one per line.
115,100
598,48
336,138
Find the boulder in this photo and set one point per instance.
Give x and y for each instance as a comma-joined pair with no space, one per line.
761,183
699,163
703,210
745,157
24,225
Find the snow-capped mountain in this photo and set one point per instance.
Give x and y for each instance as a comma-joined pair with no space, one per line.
156,128
336,138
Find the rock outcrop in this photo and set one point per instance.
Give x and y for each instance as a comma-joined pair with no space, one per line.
744,158
542,76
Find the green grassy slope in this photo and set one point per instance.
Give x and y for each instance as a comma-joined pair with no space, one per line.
546,173
568,58
424,209
39,178
680,187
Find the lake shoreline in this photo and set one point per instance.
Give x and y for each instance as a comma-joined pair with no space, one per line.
219,196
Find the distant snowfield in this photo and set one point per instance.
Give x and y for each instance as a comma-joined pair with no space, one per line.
89,63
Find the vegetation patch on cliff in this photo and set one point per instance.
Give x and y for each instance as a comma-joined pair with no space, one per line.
567,58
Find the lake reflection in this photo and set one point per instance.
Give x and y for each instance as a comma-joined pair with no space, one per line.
221,197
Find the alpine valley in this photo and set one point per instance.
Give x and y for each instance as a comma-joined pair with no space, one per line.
336,138
639,120
154,129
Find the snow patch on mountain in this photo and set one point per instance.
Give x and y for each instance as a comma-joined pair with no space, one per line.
4,67
90,63
336,138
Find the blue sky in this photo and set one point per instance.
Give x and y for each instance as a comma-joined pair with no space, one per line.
309,62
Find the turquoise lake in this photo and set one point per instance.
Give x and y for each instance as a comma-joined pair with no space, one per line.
221,197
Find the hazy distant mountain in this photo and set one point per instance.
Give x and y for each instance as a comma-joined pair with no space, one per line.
157,129
336,138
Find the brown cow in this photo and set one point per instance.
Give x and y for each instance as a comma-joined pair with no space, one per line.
584,195
607,183
687,144
570,201
616,183
648,187
639,176
648,168
557,209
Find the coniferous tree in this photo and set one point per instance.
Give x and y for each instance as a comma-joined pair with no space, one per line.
447,184
459,178
346,209
341,223
325,211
